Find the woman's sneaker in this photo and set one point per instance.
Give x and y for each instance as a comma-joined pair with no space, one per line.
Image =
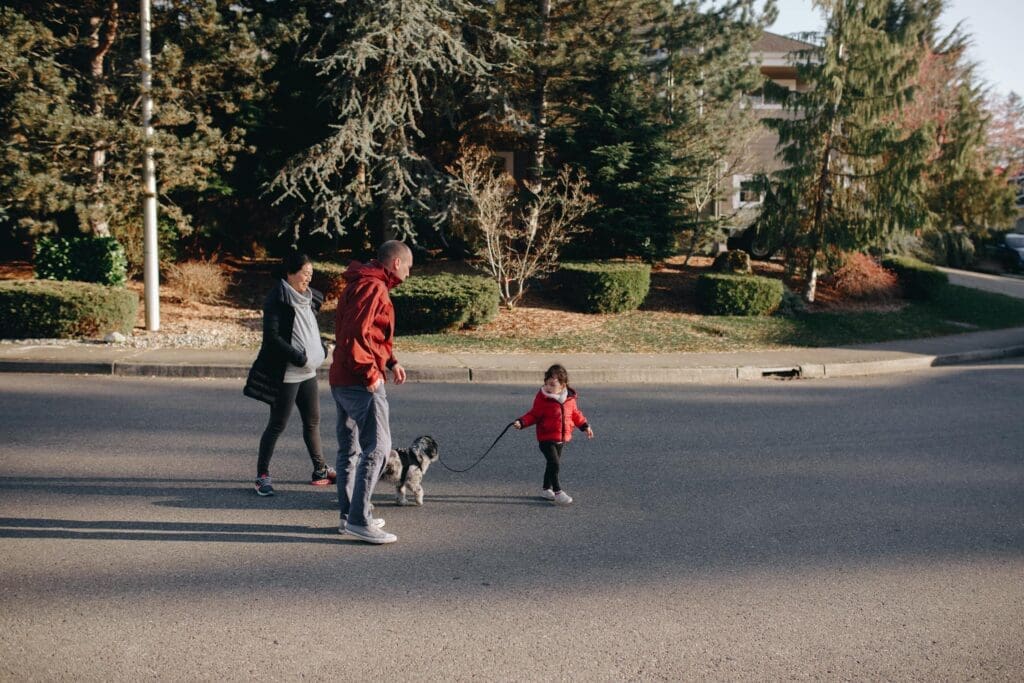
562,498
264,487
547,494
323,477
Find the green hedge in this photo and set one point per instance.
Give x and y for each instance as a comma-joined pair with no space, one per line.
435,303
44,309
722,294
605,287
86,259
918,279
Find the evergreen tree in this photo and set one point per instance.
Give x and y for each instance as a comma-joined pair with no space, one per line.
634,92
69,93
385,68
1006,139
708,76
965,191
610,122
853,174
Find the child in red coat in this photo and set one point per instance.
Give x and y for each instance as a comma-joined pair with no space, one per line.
555,413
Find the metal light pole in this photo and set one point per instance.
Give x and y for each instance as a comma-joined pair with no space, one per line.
151,272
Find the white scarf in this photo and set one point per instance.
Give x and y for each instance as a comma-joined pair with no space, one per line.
560,396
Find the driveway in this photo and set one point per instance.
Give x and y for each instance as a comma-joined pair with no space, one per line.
1000,284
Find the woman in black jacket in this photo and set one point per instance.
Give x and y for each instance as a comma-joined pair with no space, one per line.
284,373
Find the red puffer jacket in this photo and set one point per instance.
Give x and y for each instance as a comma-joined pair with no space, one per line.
364,326
554,420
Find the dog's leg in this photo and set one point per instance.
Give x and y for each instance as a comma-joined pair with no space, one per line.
400,498
414,482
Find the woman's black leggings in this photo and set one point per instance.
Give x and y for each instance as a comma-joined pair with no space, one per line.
552,451
306,396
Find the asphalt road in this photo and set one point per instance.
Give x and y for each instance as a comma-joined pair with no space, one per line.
868,529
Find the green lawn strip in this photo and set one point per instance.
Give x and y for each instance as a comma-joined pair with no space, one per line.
986,310
649,332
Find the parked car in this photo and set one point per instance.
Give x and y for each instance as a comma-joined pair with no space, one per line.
753,242
1011,251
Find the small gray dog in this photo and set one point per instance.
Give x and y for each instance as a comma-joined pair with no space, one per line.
405,468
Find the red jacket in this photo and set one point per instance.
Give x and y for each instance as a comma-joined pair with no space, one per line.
554,420
364,326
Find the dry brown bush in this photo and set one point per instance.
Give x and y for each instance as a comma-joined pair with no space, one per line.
202,282
861,278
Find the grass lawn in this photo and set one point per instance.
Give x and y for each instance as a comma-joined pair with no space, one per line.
958,309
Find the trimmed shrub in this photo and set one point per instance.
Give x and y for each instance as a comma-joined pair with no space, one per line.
86,259
918,279
605,287
436,303
43,309
723,294
198,281
327,278
732,261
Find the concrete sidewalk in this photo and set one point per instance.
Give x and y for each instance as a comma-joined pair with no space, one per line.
586,368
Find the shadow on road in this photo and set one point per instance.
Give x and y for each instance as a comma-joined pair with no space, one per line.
122,530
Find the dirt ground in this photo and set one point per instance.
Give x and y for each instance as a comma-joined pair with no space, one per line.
236,321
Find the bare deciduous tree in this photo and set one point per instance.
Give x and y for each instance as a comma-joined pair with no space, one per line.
517,241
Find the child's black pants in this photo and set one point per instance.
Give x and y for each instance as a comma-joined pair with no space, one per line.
552,451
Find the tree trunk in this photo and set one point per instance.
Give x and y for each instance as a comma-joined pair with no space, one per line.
811,284
102,34
535,174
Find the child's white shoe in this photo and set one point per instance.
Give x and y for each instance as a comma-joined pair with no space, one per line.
562,498
547,494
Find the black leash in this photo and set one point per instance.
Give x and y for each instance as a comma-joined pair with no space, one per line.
441,460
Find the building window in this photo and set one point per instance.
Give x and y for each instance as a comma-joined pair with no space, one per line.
504,160
759,99
745,192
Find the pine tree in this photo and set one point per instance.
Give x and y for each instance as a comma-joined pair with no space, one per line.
853,174
69,94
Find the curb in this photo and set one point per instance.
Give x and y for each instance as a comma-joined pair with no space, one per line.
462,375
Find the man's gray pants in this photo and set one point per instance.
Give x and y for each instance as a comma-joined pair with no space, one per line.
364,441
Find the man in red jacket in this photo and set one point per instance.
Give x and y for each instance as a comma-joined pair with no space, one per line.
364,331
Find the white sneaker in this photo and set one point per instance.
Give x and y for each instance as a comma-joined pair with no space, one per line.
562,498
375,522
370,534
547,494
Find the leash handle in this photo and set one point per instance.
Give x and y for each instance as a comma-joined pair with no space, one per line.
478,460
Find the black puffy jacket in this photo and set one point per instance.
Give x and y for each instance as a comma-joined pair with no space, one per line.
267,372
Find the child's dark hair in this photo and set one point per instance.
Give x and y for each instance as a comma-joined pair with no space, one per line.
558,372
292,263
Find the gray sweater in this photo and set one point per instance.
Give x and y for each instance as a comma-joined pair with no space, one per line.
305,336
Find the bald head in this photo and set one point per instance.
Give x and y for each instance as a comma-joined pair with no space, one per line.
393,249
396,257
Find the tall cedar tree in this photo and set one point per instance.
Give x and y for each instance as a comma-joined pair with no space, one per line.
966,192
853,174
384,68
69,94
